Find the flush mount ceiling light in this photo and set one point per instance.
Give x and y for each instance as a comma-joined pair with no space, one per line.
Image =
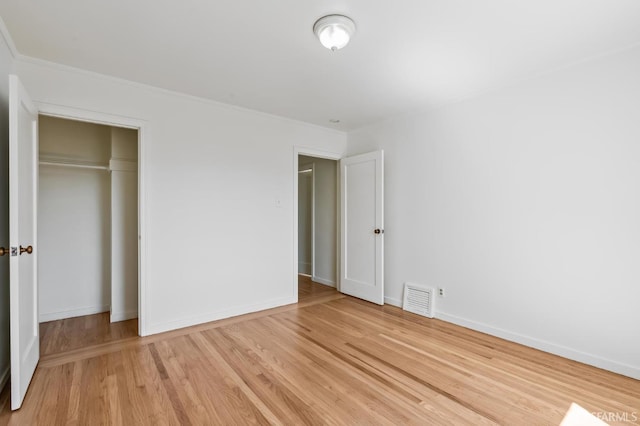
334,31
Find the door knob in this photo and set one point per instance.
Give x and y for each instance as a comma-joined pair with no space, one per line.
27,249
3,251
378,231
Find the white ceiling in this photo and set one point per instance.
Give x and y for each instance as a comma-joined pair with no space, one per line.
263,54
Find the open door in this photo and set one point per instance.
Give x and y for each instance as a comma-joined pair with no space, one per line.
362,231
23,285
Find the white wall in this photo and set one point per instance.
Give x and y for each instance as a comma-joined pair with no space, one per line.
6,67
524,204
305,219
325,176
124,224
219,192
74,267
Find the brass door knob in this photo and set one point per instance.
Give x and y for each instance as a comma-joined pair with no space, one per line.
3,251
27,250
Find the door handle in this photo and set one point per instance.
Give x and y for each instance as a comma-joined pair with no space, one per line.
378,231
28,250
3,251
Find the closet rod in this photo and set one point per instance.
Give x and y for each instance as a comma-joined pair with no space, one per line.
78,166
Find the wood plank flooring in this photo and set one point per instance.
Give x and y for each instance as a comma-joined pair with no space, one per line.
308,290
330,359
75,333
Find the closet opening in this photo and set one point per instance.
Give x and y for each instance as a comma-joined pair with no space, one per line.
88,229
317,211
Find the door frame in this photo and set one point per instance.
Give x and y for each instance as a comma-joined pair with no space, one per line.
78,114
327,155
312,166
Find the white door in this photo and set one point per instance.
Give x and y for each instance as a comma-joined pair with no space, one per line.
362,231
23,181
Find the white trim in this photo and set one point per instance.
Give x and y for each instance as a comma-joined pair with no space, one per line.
143,290
88,116
71,313
313,219
8,40
155,89
338,213
123,316
393,301
543,345
316,153
323,281
4,377
311,152
217,315
312,264
79,114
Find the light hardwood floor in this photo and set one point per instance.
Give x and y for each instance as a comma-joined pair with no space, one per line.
76,333
330,359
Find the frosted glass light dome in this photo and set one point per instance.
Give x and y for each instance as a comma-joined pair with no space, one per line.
334,31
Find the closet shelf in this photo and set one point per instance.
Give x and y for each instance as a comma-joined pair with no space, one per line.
73,164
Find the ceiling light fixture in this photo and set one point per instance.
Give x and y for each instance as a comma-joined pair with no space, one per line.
334,31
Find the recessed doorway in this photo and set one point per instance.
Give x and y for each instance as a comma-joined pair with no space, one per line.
88,230
317,215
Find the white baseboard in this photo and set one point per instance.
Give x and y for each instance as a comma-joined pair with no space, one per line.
123,316
218,315
4,377
53,316
393,302
616,367
324,281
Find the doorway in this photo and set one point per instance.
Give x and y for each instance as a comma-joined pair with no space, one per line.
88,232
317,213
359,217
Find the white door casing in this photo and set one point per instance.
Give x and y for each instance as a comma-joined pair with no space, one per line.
362,226
79,114
23,265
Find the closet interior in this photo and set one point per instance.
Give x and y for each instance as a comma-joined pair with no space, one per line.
87,220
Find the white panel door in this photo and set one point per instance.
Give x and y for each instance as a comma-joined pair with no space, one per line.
362,231
23,181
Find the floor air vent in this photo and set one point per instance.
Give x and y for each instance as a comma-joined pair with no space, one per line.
418,299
